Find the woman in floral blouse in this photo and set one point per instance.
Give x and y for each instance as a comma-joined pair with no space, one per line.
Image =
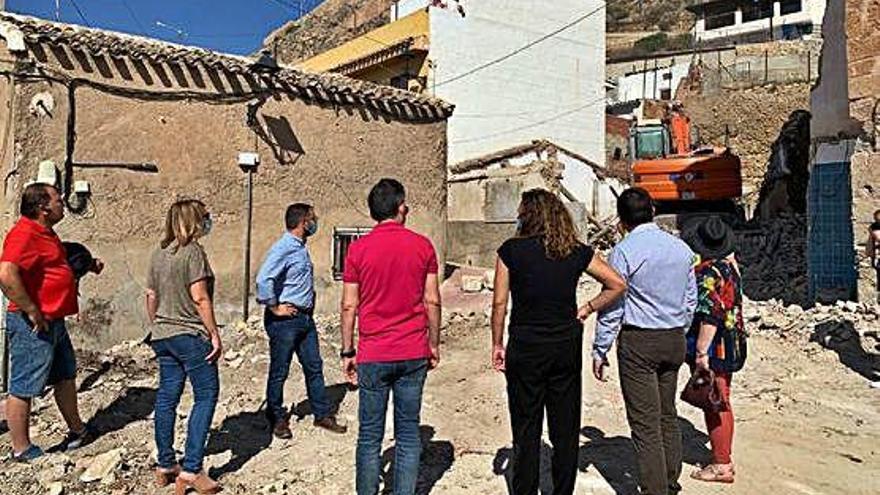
717,339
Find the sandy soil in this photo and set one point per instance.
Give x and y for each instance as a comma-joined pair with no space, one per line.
806,424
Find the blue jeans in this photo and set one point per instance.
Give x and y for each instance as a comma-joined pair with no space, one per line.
286,336
37,359
180,357
405,379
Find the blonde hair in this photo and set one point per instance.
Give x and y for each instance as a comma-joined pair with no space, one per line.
184,223
544,215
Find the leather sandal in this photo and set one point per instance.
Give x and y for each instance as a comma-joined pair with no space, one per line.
166,476
202,484
713,473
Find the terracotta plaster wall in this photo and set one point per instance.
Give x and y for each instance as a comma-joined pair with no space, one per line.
336,155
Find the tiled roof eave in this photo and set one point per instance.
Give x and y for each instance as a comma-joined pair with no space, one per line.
325,87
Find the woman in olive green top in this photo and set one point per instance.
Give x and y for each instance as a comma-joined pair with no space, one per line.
183,333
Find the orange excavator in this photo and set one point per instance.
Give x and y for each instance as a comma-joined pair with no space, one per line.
679,176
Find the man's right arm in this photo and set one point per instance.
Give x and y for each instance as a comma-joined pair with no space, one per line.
268,276
433,305
348,315
610,320
13,288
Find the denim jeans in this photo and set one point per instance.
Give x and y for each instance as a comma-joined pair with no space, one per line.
180,357
405,379
286,336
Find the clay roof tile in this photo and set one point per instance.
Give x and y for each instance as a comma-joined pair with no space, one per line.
325,86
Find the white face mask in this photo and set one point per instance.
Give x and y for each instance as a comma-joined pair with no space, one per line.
207,225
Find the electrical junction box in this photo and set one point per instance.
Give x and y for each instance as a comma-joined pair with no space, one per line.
248,160
47,173
82,187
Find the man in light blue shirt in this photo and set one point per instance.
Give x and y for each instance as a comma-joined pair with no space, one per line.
651,320
285,285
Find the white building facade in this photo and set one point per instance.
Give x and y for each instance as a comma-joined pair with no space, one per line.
518,70
745,19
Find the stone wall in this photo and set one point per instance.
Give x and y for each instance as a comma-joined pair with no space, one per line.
327,156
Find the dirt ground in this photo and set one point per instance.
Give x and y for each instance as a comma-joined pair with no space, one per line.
806,424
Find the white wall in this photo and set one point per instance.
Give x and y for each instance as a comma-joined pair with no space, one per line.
812,12
629,87
553,90
582,182
829,98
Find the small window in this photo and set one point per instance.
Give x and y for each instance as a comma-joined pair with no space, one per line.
342,239
665,94
401,81
618,154
791,6
720,20
754,11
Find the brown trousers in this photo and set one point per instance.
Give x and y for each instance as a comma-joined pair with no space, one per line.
649,361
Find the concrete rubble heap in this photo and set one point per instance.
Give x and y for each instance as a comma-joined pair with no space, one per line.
848,328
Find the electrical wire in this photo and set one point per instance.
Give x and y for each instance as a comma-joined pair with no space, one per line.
80,12
529,126
284,4
134,17
522,48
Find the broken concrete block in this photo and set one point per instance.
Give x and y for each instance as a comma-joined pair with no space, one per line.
55,488
102,466
471,283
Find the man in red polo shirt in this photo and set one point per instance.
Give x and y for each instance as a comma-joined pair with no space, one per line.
391,288
41,288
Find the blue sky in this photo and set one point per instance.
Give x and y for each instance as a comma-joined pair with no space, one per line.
234,26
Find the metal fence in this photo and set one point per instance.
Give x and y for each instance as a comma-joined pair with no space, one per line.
746,71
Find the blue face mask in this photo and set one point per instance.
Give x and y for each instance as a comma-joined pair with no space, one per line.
207,225
519,224
312,228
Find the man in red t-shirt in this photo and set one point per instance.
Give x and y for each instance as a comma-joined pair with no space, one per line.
391,288
41,288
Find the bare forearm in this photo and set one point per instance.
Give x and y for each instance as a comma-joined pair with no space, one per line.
434,324
499,312
348,319
605,298
205,309
705,338
152,304
14,290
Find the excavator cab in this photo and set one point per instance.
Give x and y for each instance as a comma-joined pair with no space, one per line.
649,141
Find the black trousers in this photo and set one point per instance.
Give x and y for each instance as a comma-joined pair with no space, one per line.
649,361
544,376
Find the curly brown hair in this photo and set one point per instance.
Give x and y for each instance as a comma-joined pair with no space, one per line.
542,214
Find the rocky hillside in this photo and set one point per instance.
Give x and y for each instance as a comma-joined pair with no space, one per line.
648,15
330,24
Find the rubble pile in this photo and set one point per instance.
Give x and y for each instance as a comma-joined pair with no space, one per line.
848,328
772,254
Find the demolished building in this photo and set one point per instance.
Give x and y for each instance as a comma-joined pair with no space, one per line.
484,194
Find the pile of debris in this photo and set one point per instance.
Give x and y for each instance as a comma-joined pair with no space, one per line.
848,328
776,318
772,254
